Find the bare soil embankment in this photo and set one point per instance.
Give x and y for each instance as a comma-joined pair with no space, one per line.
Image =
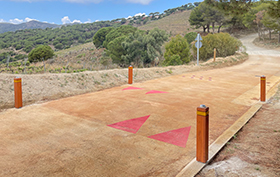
44,87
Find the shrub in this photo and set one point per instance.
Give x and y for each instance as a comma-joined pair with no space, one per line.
191,37
225,45
174,60
40,52
178,46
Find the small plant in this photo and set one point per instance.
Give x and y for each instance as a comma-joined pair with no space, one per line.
116,75
257,168
96,82
169,72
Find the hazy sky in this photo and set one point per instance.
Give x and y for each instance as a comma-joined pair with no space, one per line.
69,11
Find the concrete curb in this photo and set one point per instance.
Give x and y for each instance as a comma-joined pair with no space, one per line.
194,166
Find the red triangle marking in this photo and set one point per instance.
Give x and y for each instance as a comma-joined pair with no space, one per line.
155,91
132,125
131,88
178,137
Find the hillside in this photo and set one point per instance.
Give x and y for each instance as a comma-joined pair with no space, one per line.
176,23
5,27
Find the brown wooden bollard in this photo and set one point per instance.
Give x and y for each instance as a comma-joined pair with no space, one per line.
18,92
263,85
130,74
214,54
202,133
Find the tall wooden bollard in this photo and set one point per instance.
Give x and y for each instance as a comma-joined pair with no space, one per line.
130,74
214,54
202,133
263,90
18,92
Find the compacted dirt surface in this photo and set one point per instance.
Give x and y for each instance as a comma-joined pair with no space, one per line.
143,129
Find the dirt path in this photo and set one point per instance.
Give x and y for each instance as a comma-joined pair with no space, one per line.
255,150
144,131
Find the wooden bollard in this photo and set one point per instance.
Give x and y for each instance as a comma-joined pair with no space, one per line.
263,90
214,54
18,92
202,133
130,74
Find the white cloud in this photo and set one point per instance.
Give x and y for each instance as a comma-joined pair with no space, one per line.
76,21
97,20
89,21
30,19
65,20
1,20
16,21
140,14
144,2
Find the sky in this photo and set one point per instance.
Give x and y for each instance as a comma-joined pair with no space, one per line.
81,11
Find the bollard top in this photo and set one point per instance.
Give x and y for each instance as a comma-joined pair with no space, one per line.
203,106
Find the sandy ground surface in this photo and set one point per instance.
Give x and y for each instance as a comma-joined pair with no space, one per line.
255,150
71,136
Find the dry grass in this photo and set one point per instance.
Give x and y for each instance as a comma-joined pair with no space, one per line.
177,23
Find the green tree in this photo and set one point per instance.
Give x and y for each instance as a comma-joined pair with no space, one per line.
177,46
100,36
144,48
231,6
40,52
272,24
118,32
116,51
205,15
135,49
190,37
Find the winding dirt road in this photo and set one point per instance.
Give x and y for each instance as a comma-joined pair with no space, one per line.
148,130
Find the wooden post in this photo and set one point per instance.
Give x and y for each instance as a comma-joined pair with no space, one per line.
263,90
18,92
214,54
202,134
130,74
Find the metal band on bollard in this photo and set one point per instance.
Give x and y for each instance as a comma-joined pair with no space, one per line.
202,134
263,88
18,92
130,74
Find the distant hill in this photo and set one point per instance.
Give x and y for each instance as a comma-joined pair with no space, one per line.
176,23
5,27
